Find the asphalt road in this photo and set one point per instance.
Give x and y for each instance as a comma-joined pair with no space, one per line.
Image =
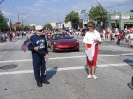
67,73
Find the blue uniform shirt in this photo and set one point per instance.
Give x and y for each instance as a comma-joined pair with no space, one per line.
40,42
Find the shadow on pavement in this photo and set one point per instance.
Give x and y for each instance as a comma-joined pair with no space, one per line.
130,86
51,72
129,62
86,69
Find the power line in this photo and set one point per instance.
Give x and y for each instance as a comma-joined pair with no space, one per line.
8,8
14,6
119,5
2,8
1,1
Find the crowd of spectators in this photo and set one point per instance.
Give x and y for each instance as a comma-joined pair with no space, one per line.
9,35
120,36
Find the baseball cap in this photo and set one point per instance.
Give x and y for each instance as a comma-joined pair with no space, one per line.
38,27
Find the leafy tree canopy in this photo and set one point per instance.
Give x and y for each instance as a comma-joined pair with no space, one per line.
98,13
17,23
26,28
72,17
131,10
47,26
3,23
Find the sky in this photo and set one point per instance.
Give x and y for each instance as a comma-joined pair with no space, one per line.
41,12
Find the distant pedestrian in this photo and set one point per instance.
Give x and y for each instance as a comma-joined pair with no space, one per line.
91,40
123,38
39,50
22,33
131,38
11,36
111,36
127,37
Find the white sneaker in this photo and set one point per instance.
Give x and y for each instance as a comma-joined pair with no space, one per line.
89,76
95,77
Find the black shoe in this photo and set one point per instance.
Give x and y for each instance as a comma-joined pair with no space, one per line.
45,81
39,83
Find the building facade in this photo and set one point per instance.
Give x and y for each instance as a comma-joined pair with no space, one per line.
60,25
120,20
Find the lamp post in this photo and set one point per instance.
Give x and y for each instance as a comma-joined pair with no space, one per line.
102,12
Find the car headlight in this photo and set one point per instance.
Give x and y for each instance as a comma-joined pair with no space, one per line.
55,43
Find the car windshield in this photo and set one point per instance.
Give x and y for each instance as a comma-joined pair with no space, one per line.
61,36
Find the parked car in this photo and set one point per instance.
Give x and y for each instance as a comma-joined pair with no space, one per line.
62,42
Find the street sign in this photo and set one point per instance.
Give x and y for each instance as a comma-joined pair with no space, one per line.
83,11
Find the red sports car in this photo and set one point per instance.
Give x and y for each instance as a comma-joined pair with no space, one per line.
63,42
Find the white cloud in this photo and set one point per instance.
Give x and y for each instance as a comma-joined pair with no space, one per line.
65,0
40,3
56,0
6,13
74,7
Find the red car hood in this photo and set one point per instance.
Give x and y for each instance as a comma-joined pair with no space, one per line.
66,41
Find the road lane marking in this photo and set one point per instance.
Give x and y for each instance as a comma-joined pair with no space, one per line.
56,58
66,68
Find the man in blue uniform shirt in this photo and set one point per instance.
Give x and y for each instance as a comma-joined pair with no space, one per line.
39,50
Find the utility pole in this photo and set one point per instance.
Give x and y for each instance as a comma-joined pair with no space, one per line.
102,13
18,21
22,20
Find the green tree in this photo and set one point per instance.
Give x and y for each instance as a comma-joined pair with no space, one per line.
131,10
47,26
12,29
18,23
26,28
72,17
3,23
98,14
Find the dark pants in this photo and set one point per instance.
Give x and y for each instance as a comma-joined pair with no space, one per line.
118,41
39,65
11,39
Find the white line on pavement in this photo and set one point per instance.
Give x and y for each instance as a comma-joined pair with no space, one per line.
100,55
66,68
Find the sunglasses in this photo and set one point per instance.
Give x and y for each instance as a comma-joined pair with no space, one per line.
89,26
